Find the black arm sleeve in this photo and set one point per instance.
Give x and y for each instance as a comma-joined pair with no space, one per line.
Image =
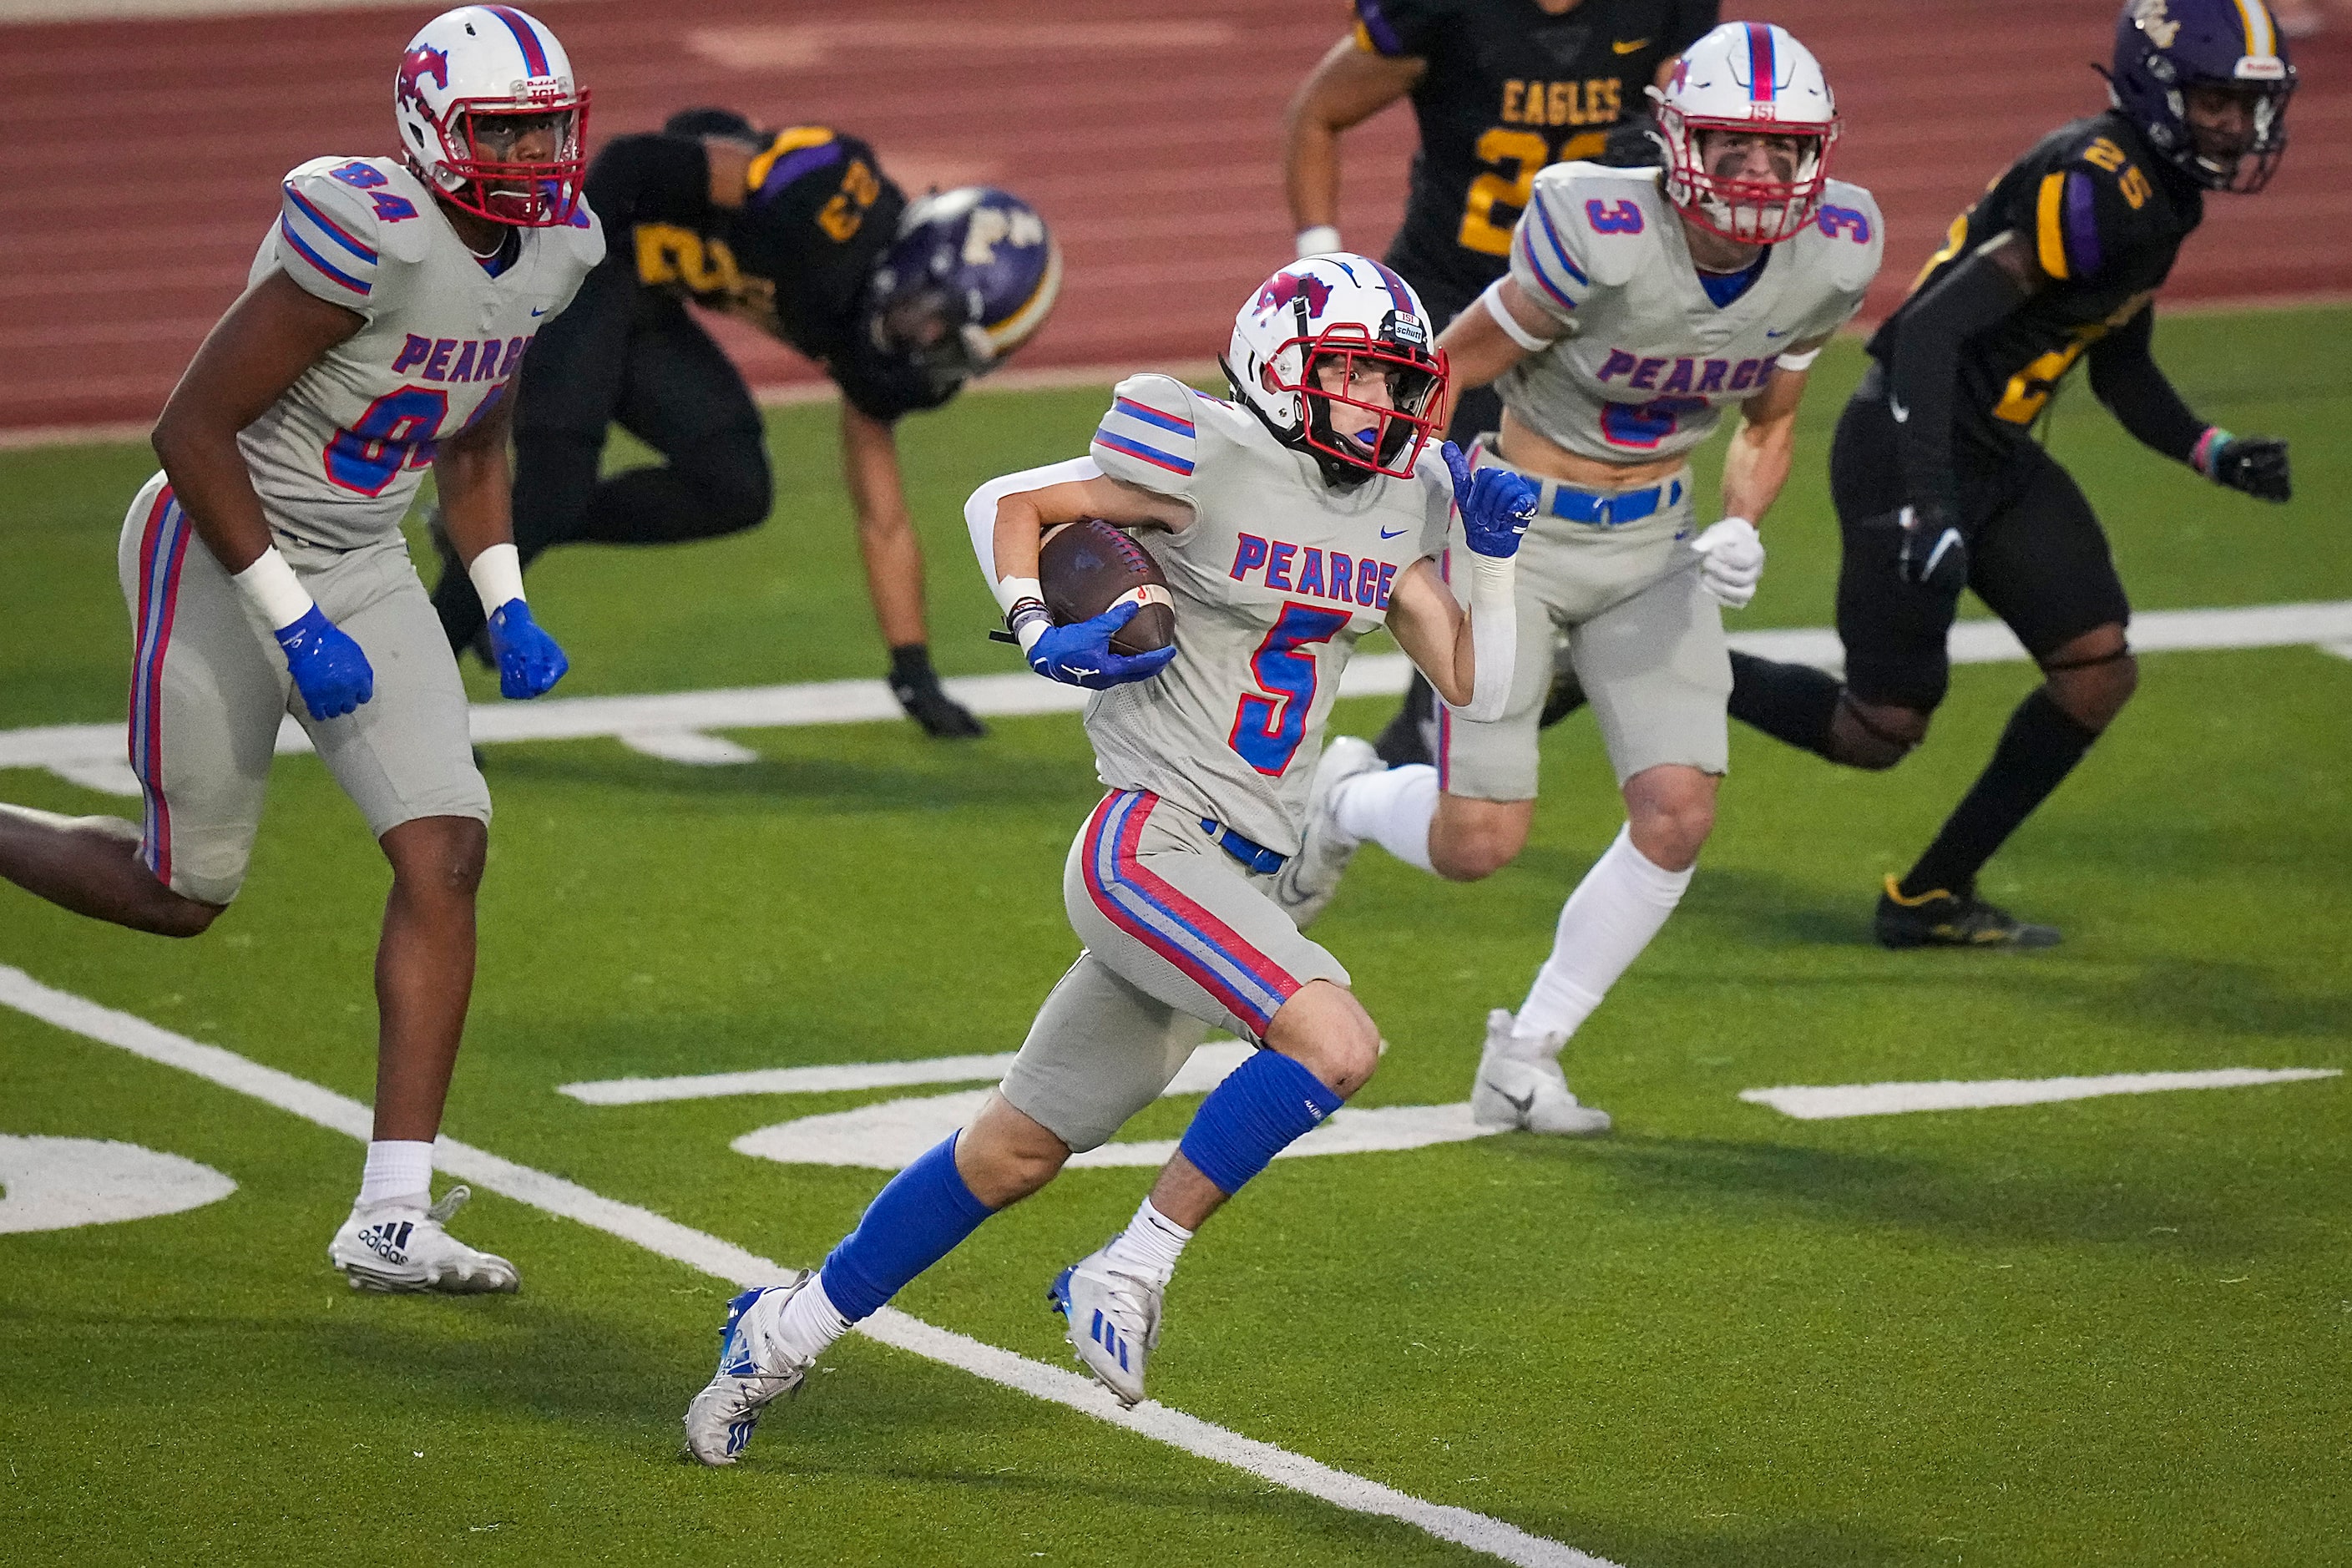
649,176
2126,378
1926,372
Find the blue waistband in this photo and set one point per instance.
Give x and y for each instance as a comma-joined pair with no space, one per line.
1614,511
1249,852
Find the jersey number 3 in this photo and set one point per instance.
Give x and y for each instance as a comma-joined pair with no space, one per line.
1267,727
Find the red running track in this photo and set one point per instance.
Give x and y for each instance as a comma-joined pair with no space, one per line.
138,161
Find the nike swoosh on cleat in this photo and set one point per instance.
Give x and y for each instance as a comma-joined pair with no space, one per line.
1399,533
1620,47
1517,1102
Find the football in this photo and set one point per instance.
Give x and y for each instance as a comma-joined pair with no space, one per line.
1088,566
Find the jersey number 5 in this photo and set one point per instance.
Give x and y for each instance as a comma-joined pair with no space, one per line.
1267,728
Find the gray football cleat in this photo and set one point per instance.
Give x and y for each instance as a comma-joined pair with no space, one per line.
752,1371
1305,885
400,1244
1528,1092
1114,1320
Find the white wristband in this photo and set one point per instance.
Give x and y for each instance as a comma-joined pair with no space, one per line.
1493,300
271,587
1799,361
1493,636
1321,240
497,576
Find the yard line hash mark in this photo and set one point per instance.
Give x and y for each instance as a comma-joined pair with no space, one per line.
673,725
1817,1104
666,1237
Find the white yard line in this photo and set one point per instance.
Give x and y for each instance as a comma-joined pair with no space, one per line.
725,1261
675,725
1817,1104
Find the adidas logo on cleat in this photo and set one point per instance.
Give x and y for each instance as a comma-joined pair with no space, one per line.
387,1239
1110,1337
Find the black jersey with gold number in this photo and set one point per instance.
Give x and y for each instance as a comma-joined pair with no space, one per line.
794,260
1509,88
2104,219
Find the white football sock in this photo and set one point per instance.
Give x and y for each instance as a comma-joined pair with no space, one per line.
1149,1245
1393,809
810,1323
1605,924
396,1168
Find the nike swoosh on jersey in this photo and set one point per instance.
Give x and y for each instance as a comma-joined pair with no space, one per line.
1399,533
538,310
1625,48
1782,333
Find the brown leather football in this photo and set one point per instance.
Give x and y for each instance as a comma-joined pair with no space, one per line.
1085,567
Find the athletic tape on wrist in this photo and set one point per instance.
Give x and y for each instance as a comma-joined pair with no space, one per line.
1493,300
1798,360
1319,240
497,575
271,587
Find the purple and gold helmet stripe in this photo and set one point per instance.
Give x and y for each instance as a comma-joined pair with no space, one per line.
2262,35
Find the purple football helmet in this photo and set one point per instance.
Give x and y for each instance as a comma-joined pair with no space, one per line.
2166,48
970,278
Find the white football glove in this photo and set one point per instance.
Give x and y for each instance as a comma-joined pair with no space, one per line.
1731,560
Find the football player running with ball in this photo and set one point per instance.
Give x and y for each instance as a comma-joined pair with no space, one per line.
1639,305
1939,484
1289,524
378,336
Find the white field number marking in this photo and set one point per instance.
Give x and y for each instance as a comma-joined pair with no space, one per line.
1817,1104
59,1183
890,1134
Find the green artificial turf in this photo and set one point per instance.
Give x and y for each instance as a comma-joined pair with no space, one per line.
2113,1331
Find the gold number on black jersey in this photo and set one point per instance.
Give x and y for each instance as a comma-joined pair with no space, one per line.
1526,153
841,216
668,254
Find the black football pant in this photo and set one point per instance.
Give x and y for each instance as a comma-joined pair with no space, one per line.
627,355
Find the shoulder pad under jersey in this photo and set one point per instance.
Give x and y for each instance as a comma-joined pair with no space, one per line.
2092,203
1149,436
1587,226
583,239
1397,29
347,226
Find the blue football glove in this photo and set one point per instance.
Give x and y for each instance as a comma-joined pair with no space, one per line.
1496,505
529,661
1080,653
329,669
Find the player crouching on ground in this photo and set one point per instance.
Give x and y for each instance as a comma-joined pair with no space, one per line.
1940,484
1289,524
378,335
1639,304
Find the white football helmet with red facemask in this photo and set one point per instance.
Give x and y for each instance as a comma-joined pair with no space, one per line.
1341,320
1750,78
476,88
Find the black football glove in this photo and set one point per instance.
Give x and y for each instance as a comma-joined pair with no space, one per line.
1932,554
2254,464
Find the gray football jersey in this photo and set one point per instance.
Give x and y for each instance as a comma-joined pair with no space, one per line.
1647,363
337,458
1274,580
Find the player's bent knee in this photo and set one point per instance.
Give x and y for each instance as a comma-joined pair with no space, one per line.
178,916
1670,811
2093,695
1471,840
1326,1030
438,856
1006,1154
1875,736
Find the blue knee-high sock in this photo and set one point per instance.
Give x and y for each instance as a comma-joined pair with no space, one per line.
1263,1107
913,1223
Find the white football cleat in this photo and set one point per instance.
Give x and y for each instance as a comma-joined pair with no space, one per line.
1114,1318
754,1369
1513,1090
1306,886
399,1244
